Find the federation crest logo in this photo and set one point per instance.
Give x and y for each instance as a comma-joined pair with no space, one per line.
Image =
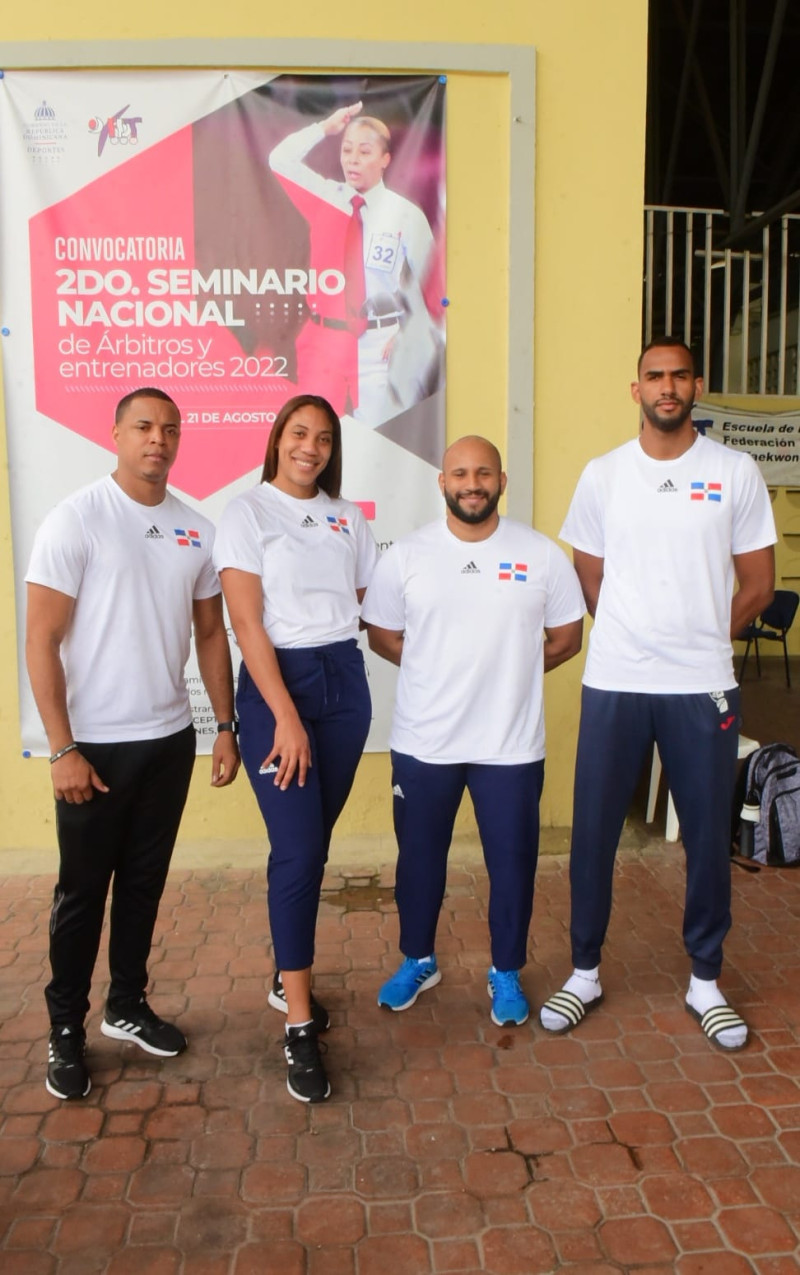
45,138
513,571
706,491
338,524
188,538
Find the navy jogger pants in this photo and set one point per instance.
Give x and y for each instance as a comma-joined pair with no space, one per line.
328,685
697,737
506,803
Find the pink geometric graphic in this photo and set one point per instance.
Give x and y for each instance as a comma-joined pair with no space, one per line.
115,306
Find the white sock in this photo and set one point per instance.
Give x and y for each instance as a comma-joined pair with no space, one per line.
585,984
703,994
296,1026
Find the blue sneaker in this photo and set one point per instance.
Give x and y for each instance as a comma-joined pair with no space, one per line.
509,1006
413,977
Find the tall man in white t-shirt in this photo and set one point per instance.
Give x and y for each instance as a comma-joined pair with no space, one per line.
475,609
120,573
383,243
661,529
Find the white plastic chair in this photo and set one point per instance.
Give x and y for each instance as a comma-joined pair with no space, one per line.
746,747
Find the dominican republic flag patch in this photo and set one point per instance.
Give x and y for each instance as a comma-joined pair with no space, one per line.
513,571
338,524
706,491
187,538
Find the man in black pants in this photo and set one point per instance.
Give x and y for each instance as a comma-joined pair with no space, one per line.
120,572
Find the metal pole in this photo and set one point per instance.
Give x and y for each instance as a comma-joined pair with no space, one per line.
648,278
764,353
797,342
723,175
687,286
745,322
707,304
683,94
737,75
726,322
784,298
768,218
749,160
670,267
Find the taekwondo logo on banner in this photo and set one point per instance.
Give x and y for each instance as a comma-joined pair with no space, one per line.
771,439
233,239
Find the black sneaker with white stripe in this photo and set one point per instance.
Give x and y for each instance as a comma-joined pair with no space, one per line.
138,1023
67,1073
306,1079
277,999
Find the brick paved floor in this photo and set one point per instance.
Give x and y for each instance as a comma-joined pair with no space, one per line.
449,1144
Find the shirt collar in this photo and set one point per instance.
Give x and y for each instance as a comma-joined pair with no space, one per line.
373,196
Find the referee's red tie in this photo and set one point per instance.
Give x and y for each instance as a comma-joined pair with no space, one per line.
355,291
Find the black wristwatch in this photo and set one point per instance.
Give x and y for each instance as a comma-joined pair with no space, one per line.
233,727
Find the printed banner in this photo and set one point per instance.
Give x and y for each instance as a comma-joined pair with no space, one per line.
234,239
773,440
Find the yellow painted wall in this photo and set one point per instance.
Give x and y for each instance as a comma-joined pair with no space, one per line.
591,80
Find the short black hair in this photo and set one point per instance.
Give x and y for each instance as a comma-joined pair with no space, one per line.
149,391
670,341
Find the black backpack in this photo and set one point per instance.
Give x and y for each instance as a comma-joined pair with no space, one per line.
769,784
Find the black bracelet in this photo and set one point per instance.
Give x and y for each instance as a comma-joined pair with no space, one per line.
62,752
233,727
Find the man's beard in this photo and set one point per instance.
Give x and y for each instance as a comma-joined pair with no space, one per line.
671,423
480,515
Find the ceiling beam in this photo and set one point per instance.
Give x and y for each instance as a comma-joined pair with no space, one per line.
741,189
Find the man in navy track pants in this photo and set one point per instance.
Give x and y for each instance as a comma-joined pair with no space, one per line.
661,529
474,608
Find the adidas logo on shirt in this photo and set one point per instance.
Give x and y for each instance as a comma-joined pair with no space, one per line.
667,486
153,533
397,791
470,570
308,521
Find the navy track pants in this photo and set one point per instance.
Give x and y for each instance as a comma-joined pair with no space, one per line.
506,804
328,685
697,737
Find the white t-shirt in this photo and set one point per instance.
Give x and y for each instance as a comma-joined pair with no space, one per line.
134,571
473,614
667,530
311,556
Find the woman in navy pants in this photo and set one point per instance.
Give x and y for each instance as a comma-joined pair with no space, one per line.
294,560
